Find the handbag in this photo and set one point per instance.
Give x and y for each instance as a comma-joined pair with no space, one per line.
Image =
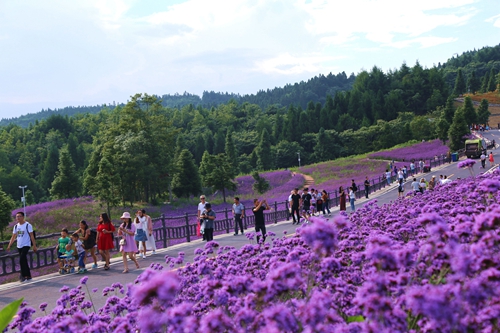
123,242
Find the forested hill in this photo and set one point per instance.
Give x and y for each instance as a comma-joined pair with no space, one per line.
478,63
299,94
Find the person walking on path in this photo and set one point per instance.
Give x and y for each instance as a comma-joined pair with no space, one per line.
258,212
89,240
415,185
326,202
492,159
306,204
239,214
140,234
208,216
483,160
23,233
432,183
105,230
412,168
201,208
423,185
352,198
128,245
80,250
401,189
421,166
148,223
342,198
295,204
388,176
367,187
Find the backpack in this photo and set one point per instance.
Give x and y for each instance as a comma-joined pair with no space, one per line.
90,242
27,224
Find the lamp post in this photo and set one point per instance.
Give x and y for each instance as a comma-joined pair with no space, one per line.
23,199
298,153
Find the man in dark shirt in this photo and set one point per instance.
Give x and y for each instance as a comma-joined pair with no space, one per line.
258,212
306,204
295,205
367,187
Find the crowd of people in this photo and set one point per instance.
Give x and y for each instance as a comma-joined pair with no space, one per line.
136,237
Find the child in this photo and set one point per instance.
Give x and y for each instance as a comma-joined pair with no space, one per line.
61,249
69,258
81,253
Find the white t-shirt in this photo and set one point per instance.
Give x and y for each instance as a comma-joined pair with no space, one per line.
79,247
201,207
23,237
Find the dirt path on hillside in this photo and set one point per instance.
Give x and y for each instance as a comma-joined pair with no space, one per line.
309,180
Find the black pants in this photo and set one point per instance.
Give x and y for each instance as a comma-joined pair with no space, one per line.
262,229
23,261
367,191
295,210
326,207
238,221
209,234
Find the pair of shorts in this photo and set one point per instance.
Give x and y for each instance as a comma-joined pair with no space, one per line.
306,209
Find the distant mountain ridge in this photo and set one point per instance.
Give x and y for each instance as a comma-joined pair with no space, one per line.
300,94
315,89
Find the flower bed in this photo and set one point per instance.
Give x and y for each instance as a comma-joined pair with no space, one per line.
423,150
427,263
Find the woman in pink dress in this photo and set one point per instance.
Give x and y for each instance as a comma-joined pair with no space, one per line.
127,231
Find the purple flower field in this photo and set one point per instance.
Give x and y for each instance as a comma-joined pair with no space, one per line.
425,263
331,175
424,150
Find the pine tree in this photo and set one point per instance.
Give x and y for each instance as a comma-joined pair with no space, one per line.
217,173
473,83
263,151
449,110
442,129
260,185
230,151
106,184
6,207
485,81
186,180
49,168
66,184
219,143
470,115
483,114
458,130
459,84
492,82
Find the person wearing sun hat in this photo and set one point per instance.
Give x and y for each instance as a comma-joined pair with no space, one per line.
432,183
127,243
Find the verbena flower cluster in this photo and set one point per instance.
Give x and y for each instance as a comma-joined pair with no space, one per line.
429,263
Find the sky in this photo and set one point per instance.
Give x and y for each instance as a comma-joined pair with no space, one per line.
57,53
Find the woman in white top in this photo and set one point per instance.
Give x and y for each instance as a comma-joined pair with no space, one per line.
352,198
141,237
151,242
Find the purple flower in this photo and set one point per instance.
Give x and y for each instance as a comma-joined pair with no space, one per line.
84,279
321,236
162,286
468,163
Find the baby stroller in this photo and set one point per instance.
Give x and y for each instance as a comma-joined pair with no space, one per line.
69,262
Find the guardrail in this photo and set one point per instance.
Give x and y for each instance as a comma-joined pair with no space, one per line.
183,228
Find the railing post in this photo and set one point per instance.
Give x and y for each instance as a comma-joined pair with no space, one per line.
164,230
227,220
288,210
275,212
188,236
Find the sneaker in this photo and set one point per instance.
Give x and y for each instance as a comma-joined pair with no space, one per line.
94,266
28,278
23,279
154,252
235,234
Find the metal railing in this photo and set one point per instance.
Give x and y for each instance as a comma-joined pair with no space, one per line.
184,228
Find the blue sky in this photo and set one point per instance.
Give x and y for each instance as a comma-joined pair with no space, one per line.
57,53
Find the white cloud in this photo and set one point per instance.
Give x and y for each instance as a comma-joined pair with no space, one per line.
495,19
288,65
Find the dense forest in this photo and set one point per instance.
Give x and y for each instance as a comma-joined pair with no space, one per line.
139,150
